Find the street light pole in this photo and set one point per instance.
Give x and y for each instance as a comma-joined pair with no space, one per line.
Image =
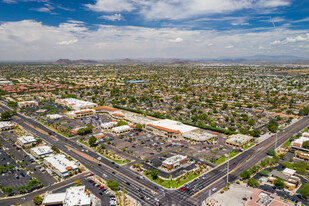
228,167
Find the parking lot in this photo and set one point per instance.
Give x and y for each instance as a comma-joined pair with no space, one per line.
29,163
14,177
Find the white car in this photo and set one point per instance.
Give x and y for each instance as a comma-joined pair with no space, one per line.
156,199
214,189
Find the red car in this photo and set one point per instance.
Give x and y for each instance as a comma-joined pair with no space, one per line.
92,181
98,185
91,175
134,144
101,187
182,189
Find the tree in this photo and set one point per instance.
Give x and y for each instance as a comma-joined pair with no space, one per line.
6,115
272,126
21,189
37,200
113,185
102,146
10,167
2,169
279,182
306,144
264,173
304,191
138,126
252,182
154,173
245,174
77,183
121,123
55,149
271,152
8,190
92,141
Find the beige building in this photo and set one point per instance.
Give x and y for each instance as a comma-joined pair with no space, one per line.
28,104
81,113
5,126
238,140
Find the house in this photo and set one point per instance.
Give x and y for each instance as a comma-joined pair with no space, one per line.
41,151
80,113
61,165
121,129
291,182
25,141
74,196
5,126
76,104
238,140
28,104
174,161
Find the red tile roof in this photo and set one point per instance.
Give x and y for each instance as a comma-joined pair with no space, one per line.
106,108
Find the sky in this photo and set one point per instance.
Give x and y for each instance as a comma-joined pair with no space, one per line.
117,29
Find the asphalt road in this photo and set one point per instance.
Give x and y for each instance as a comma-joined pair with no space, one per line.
216,178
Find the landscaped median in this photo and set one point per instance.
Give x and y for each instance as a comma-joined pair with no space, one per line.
247,146
105,153
177,182
223,158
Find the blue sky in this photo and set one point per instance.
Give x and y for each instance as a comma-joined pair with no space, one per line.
112,29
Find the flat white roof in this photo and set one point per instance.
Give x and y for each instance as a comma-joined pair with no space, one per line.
301,140
174,159
42,150
108,124
77,196
121,128
60,162
75,102
173,125
238,138
6,124
54,116
199,136
26,139
289,171
54,198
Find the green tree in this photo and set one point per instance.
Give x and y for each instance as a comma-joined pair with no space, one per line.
92,141
112,184
306,144
252,182
10,167
271,152
304,191
121,123
8,190
21,189
55,149
154,173
37,200
272,126
245,174
138,126
279,182
77,183
264,173
2,169
6,115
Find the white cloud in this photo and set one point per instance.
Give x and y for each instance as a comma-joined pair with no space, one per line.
29,40
275,42
229,47
72,41
181,9
177,40
111,5
297,38
114,17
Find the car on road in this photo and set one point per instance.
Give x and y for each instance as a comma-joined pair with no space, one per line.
214,189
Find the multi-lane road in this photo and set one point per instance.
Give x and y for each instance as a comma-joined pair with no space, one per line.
216,178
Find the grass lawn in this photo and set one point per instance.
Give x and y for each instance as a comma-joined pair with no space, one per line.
223,157
246,146
173,183
114,160
287,143
306,130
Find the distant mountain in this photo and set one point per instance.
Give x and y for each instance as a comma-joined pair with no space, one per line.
80,61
